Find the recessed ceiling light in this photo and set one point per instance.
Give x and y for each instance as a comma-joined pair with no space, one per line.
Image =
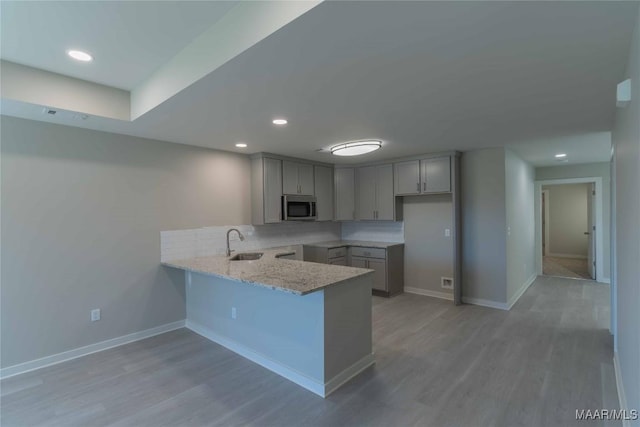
561,156
280,122
80,55
356,148
241,145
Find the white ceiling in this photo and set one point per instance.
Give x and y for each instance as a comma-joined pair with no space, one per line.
422,76
129,39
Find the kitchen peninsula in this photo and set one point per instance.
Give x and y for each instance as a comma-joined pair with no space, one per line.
309,322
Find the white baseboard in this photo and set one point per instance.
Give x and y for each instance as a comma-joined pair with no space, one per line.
32,365
521,291
311,384
573,256
622,397
606,280
485,303
425,292
344,376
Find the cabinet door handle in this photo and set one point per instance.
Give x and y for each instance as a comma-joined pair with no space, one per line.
418,187
424,186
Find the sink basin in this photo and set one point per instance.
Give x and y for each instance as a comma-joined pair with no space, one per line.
246,256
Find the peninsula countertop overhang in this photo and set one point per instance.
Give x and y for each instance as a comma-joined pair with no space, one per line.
298,277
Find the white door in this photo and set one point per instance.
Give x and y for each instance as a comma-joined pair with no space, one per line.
591,232
436,175
407,177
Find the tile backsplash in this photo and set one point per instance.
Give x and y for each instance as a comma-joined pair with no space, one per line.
206,241
375,231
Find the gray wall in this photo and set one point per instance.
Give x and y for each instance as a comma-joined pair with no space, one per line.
626,142
428,254
567,221
519,201
588,170
82,213
484,225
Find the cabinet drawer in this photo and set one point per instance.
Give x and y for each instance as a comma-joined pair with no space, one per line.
336,252
369,252
338,261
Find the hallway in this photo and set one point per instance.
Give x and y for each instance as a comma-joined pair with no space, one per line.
574,268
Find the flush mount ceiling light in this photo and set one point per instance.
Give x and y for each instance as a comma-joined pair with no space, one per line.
280,122
561,156
241,145
356,148
80,55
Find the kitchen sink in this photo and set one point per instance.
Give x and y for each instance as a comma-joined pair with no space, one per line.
246,256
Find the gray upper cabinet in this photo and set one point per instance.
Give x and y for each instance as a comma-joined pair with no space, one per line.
423,176
366,193
324,192
436,175
374,195
344,191
266,191
297,178
407,177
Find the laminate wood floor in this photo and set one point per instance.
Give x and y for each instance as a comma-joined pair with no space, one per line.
565,267
437,365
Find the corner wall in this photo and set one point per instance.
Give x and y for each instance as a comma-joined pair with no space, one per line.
484,223
82,213
519,200
626,143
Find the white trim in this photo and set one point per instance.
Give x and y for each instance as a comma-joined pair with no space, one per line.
54,359
622,397
606,280
485,303
546,217
572,256
334,383
521,291
427,293
598,216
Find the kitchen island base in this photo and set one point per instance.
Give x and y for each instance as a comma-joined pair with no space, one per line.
318,340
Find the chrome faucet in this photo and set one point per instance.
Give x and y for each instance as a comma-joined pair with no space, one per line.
239,235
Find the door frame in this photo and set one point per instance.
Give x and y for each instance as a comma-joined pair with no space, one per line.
546,216
597,214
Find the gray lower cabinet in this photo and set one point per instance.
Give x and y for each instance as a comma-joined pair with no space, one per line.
336,256
388,265
338,261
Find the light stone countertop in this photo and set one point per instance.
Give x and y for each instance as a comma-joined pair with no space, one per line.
360,243
298,277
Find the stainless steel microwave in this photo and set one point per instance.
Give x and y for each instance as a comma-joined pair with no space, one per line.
298,208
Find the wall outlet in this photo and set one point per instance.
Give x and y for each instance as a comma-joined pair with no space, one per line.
95,315
447,232
234,313
446,283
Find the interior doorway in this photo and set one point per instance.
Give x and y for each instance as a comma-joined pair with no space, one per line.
567,223
569,228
